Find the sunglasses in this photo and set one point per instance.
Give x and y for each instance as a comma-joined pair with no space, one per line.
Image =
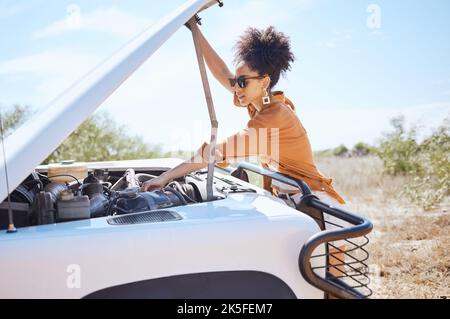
242,80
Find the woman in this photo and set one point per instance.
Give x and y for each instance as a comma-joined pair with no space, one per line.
262,56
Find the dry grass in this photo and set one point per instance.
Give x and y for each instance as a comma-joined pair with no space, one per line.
409,248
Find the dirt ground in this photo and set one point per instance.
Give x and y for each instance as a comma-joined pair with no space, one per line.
409,247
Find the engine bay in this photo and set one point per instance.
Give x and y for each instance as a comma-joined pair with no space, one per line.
39,201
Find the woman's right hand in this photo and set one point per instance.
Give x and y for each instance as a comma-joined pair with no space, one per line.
154,184
192,23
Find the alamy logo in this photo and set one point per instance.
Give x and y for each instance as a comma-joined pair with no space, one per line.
74,278
73,18
250,142
374,19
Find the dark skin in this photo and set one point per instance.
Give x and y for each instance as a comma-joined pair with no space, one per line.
252,94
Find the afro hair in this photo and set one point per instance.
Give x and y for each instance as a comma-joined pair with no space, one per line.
266,52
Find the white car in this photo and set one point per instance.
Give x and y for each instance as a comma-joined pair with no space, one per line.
98,237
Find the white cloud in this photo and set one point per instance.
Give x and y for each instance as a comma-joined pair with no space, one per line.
50,71
107,20
49,62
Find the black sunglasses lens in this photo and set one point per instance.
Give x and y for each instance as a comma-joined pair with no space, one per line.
241,82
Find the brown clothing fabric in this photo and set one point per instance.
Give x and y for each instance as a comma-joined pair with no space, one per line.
278,138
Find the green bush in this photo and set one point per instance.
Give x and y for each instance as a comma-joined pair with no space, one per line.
398,149
426,162
341,150
362,149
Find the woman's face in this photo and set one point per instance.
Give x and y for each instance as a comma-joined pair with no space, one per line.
253,91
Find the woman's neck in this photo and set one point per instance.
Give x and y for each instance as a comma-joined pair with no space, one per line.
258,103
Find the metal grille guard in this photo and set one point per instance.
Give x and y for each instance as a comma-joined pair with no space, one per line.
352,281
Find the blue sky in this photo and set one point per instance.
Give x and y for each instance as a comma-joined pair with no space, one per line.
347,82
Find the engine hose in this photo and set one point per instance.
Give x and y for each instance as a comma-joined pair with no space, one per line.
180,189
41,184
60,175
117,183
107,184
176,193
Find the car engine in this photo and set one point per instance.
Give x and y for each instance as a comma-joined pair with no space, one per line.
39,201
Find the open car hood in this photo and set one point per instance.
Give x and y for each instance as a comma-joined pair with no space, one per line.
36,139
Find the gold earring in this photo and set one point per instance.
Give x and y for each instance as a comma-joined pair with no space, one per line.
266,97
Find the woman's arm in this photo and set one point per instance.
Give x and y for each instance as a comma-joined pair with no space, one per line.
216,65
258,138
197,162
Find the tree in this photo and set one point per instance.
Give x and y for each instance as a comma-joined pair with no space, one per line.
13,118
361,149
427,163
99,138
399,149
341,150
